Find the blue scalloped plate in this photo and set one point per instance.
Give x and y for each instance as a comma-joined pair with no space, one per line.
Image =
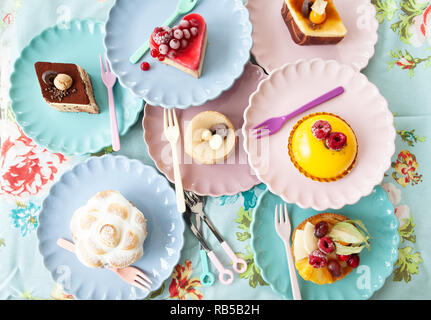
79,42
377,214
147,190
131,22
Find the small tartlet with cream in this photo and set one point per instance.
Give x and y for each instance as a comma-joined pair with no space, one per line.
210,137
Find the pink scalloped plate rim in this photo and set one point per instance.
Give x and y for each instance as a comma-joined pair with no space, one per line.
229,178
355,50
361,105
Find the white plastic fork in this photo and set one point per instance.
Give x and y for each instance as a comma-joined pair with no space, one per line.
109,79
172,133
284,229
131,275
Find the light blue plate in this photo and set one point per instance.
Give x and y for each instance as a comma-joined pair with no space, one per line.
147,190
78,42
377,214
131,22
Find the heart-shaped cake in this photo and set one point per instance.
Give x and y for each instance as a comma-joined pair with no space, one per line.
182,46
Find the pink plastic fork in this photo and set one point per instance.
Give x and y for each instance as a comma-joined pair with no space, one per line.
273,125
109,79
131,275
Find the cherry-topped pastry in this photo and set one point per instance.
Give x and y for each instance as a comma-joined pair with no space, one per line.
326,247
182,46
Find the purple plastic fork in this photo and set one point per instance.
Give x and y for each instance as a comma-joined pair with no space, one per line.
109,79
273,125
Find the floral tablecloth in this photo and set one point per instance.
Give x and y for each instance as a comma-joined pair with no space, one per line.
400,68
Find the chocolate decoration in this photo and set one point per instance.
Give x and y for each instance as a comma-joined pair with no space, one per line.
48,77
306,8
75,95
221,129
299,37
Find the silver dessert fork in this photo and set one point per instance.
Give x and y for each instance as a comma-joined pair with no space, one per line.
283,228
196,205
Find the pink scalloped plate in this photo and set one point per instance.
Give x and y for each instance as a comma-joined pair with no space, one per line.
273,45
361,105
228,178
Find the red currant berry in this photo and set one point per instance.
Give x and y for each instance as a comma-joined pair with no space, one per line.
353,261
145,66
154,53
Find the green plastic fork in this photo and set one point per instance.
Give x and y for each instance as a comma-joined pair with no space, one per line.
183,7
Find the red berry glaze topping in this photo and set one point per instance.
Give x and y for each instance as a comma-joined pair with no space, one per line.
326,245
353,261
321,129
336,141
317,259
145,66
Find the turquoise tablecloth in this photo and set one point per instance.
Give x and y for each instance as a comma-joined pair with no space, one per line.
398,68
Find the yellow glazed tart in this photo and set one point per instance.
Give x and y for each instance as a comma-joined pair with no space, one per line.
312,156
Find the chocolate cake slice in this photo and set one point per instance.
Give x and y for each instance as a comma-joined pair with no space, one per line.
66,87
305,32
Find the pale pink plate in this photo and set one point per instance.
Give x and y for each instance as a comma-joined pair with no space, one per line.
361,105
229,178
273,45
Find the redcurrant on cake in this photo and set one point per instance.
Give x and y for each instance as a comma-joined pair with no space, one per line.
183,46
313,22
323,147
326,247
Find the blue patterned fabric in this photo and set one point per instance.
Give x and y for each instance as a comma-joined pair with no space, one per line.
400,70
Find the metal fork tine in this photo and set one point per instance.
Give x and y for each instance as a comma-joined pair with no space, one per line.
190,199
194,196
276,214
286,214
